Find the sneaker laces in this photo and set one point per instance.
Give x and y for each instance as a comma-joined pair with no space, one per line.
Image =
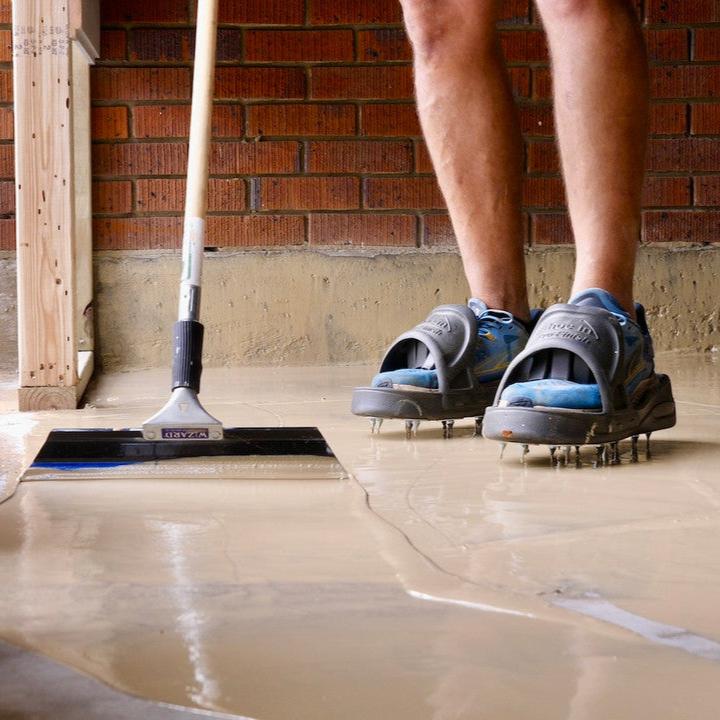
486,320
492,318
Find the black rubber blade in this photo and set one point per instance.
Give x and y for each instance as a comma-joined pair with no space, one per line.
95,446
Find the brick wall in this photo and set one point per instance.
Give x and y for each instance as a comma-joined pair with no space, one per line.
316,137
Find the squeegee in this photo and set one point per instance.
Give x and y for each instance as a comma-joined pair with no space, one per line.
183,429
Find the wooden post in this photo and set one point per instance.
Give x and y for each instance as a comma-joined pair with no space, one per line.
53,370
83,201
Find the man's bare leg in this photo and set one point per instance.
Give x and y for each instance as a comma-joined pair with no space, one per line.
470,124
601,106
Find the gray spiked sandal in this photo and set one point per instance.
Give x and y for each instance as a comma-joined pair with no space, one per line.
586,376
445,368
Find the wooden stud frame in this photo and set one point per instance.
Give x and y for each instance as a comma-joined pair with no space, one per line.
52,175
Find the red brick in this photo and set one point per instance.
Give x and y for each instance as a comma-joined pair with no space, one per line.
6,86
224,194
705,119
362,230
309,193
707,44
543,192
238,83
140,83
666,191
682,11
384,82
113,45
437,231
7,130
537,120
352,12
254,158
264,12
707,190
5,45
302,119
255,230
522,46
542,84
229,45
383,44
685,81
112,198
684,155
7,161
515,12
698,226
389,120
137,233
542,157
123,159
298,45
226,158
109,123
423,162
411,192
668,118
668,44
5,11
7,197
178,44
174,120
166,11
159,44
223,231
7,234
360,156
520,81
550,229
168,195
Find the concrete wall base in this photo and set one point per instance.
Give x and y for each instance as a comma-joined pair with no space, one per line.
312,307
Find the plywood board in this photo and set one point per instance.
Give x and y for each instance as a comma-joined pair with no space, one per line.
44,192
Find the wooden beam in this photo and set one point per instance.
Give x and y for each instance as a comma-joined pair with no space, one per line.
44,172
82,198
56,397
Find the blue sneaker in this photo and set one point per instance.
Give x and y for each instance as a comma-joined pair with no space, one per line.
587,375
446,367
500,337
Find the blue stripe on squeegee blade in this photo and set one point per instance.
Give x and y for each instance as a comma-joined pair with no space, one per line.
81,465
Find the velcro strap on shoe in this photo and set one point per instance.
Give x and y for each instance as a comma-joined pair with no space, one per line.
592,334
445,340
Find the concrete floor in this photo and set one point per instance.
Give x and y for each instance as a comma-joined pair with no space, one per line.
437,581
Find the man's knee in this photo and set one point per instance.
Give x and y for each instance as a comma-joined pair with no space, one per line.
435,26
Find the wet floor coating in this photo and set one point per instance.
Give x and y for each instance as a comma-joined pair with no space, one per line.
436,582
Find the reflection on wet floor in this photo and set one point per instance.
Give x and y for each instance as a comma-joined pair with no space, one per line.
437,582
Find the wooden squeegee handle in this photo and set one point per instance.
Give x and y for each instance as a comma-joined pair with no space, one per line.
198,160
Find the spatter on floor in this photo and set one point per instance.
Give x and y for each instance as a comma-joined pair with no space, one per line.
439,581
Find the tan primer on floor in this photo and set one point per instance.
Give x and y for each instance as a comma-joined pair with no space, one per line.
438,582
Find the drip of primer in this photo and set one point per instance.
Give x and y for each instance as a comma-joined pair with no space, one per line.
467,604
656,632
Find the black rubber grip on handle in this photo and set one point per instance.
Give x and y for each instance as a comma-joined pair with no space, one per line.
187,354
